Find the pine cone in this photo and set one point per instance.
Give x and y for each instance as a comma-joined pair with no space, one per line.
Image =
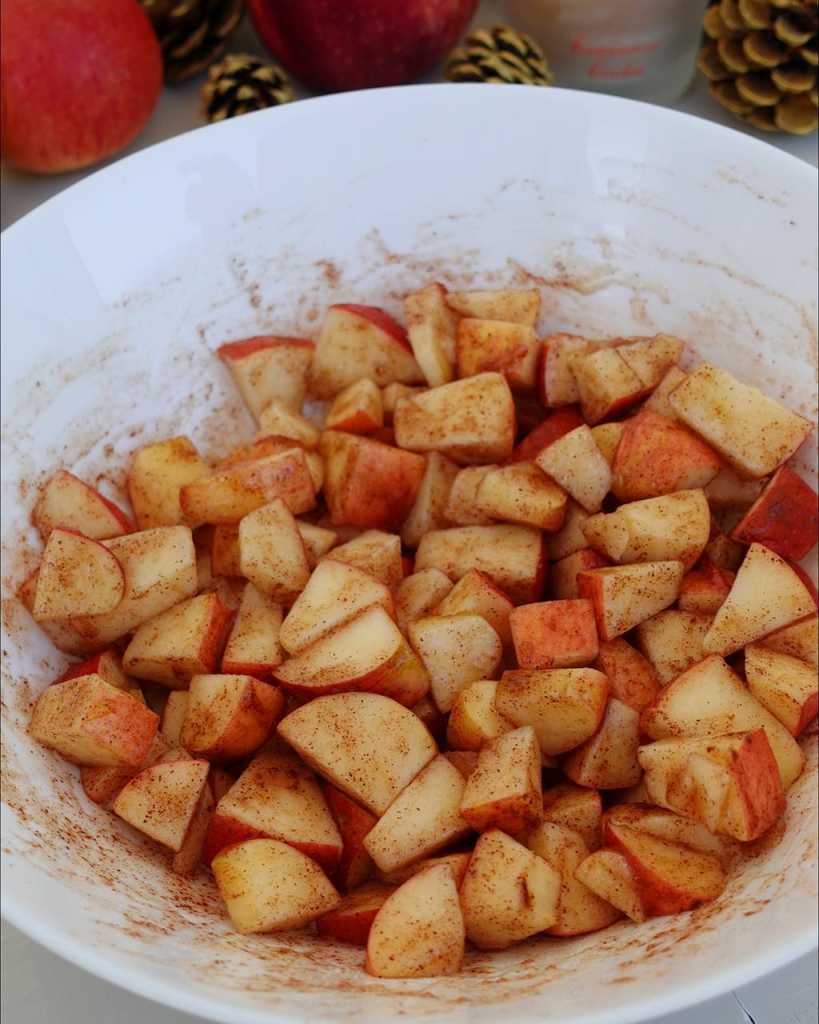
761,58
240,84
499,55
192,33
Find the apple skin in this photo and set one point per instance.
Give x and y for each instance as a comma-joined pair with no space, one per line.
79,79
359,44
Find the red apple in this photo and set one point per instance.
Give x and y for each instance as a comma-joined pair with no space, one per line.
359,44
79,79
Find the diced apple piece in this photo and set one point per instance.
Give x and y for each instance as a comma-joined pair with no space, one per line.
269,886
579,466
514,305
335,594
784,517
658,399
499,346
229,716
801,640
368,483
462,503
521,493
258,451
671,827
318,541
550,430
705,588
69,502
753,432
606,384
674,526
162,800
419,931
392,394
579,910
367,745
477,594
456,650
189,856
92,723
508,893
224,551
710,700
554,634
474,720
229,495
631,676
729,783
352,919
354,823
376,553
652,358
607,437
556,381
419,594
431,328
357,409
253,647
101,785
564,706
608,874
422,819
766,595
427,512
279,420
729,491
504,791
62,633
673,641
608,759
471,421
361,342
173,717
565,572
512,555
77,576
268,367
577,808
271,552
276,797
626,595
107,665
367,653
182,642
656,456
787,687
670,878
157,473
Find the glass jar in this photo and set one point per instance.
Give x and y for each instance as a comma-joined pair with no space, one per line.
643,49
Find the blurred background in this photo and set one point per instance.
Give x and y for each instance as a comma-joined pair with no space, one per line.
86,81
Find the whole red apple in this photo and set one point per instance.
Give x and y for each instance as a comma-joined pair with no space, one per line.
333,45
78,80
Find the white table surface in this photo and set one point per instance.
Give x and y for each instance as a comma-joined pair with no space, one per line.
38,987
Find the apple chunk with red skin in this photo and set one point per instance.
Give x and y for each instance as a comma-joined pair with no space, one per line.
704,588
625,595
367,745
577,464
92,723
353,918
474,720
78,576
354,823
550,430
269,886
431,328
554,634
367,653
108,665
521,493
161,800
69,502
784,517
368,483
476,593
505,790
157,473
787,687
253,647
268,367
229,716
276,797
271,552
358,342
357,409
455,650
500,346
566,570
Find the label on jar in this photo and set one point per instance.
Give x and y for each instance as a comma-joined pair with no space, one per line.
612,61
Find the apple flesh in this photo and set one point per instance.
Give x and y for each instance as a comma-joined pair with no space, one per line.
455,650
229,716
504,791
462,504
253,646
477,594
357,409
431,327
269,367
69,502
79,81
157,473
355,865
577,464
353,918
577,808
376,553
419,594
78,576
496,345
554,634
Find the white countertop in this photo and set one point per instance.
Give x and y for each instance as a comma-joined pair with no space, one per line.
39,988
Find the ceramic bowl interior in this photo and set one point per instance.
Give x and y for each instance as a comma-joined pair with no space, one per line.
629,219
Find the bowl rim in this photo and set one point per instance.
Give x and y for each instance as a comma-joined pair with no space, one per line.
745,149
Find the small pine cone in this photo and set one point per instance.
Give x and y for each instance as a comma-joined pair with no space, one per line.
192,33
499,55
240,84
761,59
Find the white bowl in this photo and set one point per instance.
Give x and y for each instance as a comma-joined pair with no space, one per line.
631,219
